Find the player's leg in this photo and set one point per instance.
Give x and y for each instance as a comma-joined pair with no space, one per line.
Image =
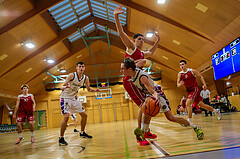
139,117
62,142
64,103
83,134
209,108
20,122
189,103
183,121
31,123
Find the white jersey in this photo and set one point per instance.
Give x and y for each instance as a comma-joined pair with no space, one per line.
75,84
136,80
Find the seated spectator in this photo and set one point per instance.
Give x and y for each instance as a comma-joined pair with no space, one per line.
223,99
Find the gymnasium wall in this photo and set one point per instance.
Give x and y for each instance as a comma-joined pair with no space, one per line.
125,109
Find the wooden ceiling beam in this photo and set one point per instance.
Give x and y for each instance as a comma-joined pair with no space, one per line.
50,21
61,35
91,11
39,6
140,8
76,46
112,26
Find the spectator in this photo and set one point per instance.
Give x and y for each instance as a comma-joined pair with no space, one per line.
205,93
224,100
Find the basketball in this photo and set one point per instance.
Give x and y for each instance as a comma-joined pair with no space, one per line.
149,108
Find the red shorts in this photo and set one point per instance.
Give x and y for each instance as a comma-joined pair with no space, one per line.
21,118
136,94
195,95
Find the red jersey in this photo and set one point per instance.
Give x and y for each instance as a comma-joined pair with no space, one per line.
189,80
26,104
136,54
184,103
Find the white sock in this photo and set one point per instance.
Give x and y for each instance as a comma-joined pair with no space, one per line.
32,133
192,125
145,127
189,120
81,132
20,135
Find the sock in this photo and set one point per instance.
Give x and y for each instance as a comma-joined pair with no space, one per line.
82,132
20,135
189,120
32,133
145,127
192,125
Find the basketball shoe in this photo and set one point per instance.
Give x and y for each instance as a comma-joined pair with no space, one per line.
218,114
150,135
32,139
140,137
62,142
85,135
199,132
19,140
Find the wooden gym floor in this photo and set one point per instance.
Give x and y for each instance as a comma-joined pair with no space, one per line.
116,140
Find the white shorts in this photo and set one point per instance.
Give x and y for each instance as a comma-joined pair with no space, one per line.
164,105
71,106
73,116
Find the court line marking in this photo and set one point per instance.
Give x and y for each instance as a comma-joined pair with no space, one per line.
126,144
164,152
83,148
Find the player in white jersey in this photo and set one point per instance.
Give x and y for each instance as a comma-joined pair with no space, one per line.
144,82
70,104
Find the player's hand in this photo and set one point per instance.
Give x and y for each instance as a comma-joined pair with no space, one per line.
98,90
118,10
157,35
181,83
204,86
14,116
157,102
33,109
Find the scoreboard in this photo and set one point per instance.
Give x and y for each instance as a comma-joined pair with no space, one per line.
227,60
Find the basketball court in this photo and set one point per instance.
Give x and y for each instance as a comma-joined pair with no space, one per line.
116,140
41,41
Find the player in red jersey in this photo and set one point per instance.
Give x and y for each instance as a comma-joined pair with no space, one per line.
183,108
187,77
25,106
133,50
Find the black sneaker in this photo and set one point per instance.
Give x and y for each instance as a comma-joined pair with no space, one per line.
62,142
75,130
86,136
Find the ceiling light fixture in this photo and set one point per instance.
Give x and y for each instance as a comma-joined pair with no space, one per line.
149,34
62,70
161,1
49,60
29,45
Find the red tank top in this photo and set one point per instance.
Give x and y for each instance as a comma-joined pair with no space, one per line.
135,55
26,103
189,80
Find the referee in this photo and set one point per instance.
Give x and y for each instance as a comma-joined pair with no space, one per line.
205,93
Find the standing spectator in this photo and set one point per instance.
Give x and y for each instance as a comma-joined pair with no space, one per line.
205,93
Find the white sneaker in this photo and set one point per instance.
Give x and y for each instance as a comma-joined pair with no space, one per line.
218,114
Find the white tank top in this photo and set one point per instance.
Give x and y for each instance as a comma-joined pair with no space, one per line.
75,84
136,80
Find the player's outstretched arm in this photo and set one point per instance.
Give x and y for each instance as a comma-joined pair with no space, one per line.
150,89
124,37
16,108
68,79
34,103
201,77
140,62
87,83
154,47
